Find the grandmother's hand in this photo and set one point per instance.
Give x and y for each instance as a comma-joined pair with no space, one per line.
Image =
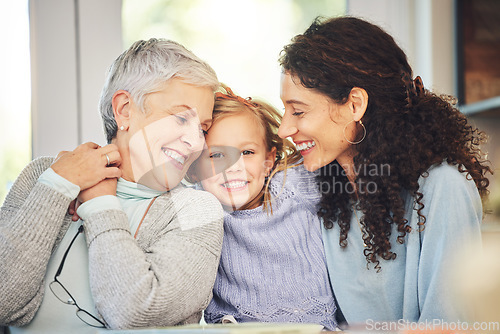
87,165
105,187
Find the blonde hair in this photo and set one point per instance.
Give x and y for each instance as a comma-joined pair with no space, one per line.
228,104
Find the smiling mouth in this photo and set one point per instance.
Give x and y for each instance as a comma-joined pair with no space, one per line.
306,145
234,185
178,158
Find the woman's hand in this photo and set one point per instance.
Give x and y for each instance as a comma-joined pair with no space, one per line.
105,187
87,165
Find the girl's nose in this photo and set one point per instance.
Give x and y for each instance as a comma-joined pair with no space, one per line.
238,166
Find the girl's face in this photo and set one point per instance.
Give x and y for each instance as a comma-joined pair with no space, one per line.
315,124
169,137
240,185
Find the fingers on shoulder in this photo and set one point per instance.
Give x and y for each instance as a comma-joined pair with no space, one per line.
112,153
89,145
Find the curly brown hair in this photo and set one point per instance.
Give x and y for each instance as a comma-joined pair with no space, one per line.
408,128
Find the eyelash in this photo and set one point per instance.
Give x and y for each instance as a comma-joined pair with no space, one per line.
216,155
181,119
297,113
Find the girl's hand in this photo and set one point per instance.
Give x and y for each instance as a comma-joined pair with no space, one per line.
87,165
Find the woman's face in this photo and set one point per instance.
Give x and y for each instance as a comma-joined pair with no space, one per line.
315,124
164,141
237,138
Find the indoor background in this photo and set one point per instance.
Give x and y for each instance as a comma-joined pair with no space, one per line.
55,54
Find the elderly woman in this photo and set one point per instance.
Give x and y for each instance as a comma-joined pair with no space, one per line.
151,246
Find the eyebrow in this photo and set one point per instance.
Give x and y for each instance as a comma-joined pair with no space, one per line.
185,106
249,143
296,102
246,143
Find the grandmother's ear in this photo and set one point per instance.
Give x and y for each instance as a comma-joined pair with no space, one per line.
121,107
358,99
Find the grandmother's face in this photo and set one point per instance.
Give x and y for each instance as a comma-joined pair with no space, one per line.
170,135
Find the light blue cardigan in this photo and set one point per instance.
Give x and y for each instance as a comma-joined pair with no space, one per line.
416,285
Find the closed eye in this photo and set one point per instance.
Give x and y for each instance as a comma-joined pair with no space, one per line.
203,131
180,119
297,113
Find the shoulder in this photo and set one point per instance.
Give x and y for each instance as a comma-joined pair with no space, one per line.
450,197
192,206
446,177
194,197
296,181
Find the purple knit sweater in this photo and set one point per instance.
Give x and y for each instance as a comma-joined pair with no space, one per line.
273,267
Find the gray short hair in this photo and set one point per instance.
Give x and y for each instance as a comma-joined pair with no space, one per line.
144,68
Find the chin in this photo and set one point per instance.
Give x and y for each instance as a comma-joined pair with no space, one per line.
312,166
235,204
161,179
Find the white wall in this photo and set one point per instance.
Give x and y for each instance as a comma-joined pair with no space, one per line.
424,29
72,45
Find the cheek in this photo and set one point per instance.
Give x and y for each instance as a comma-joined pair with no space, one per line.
210,184
138,149
307,124
161,131
257,168
328,133
195,155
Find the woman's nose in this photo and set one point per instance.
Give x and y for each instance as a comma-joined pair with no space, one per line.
287,127
193,138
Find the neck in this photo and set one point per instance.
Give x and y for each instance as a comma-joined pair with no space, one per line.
126,165
346,161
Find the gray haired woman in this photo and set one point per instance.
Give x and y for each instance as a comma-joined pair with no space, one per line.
151,246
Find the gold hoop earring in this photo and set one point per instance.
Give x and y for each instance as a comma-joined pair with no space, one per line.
364,133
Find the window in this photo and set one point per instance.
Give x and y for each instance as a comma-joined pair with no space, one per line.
15,92
241,40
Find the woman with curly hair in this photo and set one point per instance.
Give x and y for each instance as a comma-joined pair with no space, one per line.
399,169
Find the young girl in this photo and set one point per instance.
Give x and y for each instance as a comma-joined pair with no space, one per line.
272,267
